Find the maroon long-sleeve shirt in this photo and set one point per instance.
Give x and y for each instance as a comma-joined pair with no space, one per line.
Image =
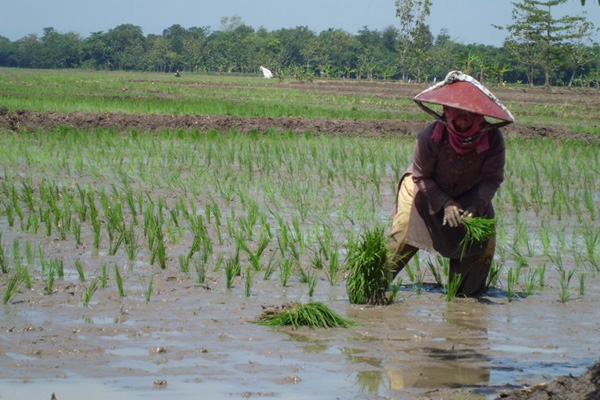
441,174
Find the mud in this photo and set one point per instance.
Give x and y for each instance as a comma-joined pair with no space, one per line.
569,387
31,120
201,340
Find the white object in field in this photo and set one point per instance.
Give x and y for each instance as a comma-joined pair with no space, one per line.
266,73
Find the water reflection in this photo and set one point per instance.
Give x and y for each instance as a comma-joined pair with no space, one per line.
370,381
354,356
450,354
450,375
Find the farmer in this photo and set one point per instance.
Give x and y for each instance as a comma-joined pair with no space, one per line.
457,167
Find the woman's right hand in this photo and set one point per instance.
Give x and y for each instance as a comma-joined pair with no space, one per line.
452,214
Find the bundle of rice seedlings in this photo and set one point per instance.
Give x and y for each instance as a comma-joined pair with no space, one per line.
312,314
476,230
369,273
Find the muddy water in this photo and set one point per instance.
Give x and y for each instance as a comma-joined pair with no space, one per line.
195,341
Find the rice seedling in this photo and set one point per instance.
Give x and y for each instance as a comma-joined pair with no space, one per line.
476,230
317,260
119,280
17,259
80,272
184,264
33,223
512,280
131,244
452,286
47,223
312,314
27,194
3,258
333,268
311,279
89,292
49,288
12,287
232,269
435,272
148,288
565,282
64,227
582,284
200,268
591,239
531,282
409,271
160,250
395,289
248,281
301,274
97,229
285,271
419,278
104,275
369,273
541,272
29,253
23,271
493,279
10,214
77,232
545,237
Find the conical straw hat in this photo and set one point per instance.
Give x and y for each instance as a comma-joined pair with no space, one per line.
466,93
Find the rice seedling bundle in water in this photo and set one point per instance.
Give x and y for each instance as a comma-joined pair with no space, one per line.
312,314
369,272
476,230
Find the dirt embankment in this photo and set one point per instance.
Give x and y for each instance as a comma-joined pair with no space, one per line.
585,387
23,119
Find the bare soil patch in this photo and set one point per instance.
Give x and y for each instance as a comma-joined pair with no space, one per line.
31,120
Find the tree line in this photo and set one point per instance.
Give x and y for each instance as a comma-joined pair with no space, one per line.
539,49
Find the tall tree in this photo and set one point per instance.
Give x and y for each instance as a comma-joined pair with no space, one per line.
58,50
5,50
412,14
127,46
536,36
577,51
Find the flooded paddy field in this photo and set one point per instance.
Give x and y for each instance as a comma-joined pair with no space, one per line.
136,262
173,212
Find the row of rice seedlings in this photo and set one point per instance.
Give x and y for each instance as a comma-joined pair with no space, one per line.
346,210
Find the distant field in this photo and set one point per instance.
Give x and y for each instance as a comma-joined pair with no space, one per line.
197,94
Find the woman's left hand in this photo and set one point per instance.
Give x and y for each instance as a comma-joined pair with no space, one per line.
468,213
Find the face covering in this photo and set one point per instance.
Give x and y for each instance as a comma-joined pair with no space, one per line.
462,142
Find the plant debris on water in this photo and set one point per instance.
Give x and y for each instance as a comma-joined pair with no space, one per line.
312,314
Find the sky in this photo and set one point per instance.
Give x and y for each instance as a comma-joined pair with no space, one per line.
464,20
